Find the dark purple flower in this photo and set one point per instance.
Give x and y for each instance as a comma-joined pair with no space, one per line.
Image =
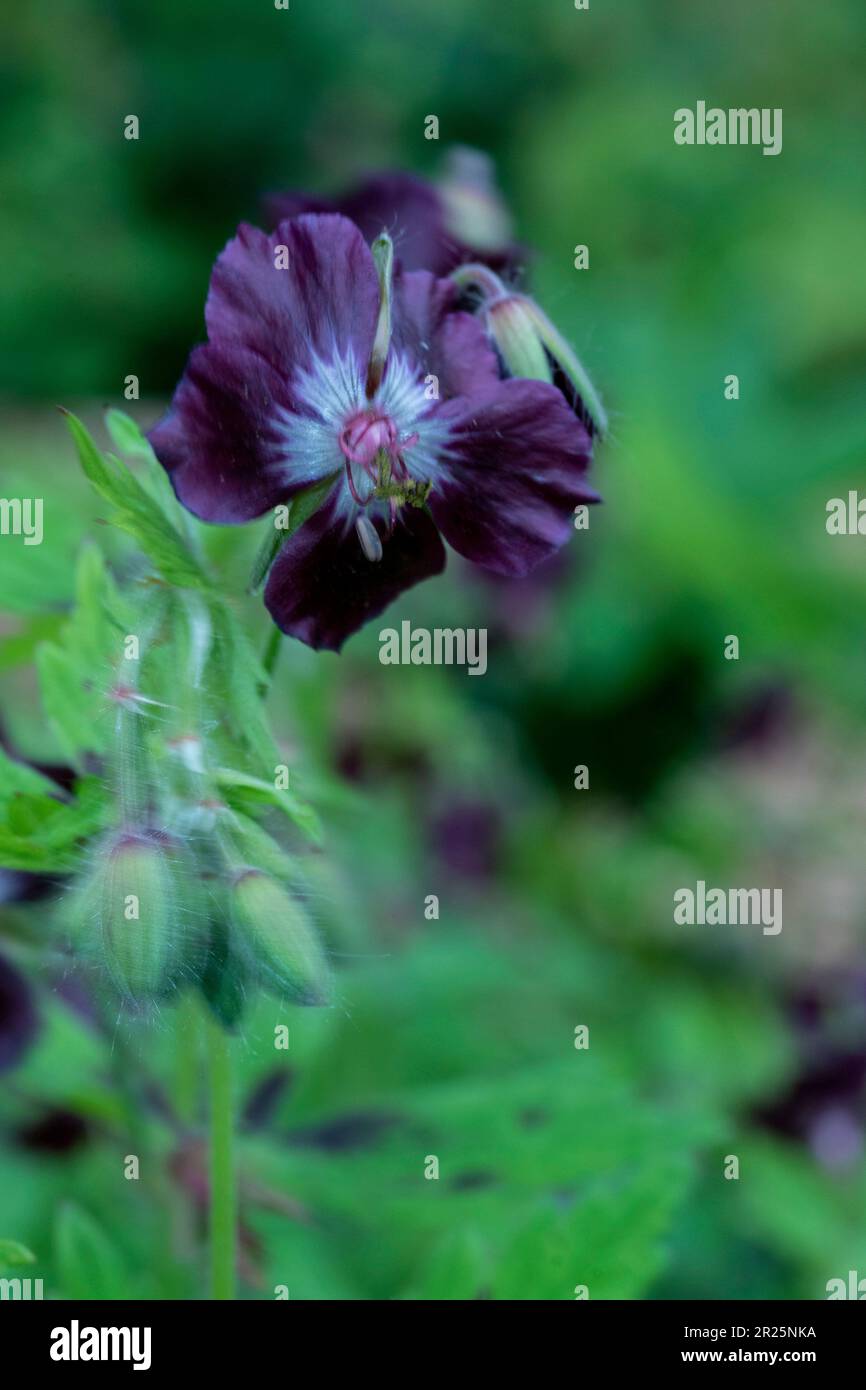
759,720
434,226
824,1103
18,1020
466,837
320,370
56,1131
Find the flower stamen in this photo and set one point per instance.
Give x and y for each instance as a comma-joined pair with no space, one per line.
369,538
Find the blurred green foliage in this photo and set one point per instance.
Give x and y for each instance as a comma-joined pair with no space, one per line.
455,1038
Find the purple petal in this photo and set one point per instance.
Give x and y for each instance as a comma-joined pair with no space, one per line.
326,298
452,345
409,209
321,587
414,214
218,440
279,207
512,476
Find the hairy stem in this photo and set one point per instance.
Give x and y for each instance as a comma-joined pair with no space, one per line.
482,278
223,1196
186,1058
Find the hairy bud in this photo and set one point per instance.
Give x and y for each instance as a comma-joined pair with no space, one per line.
248,843
510,323
279,939
125,915
530,345
476,212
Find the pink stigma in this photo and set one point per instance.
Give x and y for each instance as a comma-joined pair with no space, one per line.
364,436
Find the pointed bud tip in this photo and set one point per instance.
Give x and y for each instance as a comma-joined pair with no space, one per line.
530,346
279,939
512,328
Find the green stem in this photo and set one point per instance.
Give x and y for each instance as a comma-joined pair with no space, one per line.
130,766
272,651
186,1059
223,1199
482,278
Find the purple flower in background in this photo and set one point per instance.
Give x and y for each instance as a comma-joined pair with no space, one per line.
435,226
824,1103
18,1020
55,1131
466,838
323,364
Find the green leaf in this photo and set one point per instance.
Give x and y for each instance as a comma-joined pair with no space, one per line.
126,435
306,503
41,833
132,444
92,462
18,777
12,1252
88,1262
255,789
67,698
19,649
18,852
265,556
237,679
608,1242
100,617
75,671
137,513
301,507
35,579
456,1269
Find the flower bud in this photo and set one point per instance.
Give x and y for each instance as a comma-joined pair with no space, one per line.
510,324
139,912
530,346
249,843
475,210
279,939
125,915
